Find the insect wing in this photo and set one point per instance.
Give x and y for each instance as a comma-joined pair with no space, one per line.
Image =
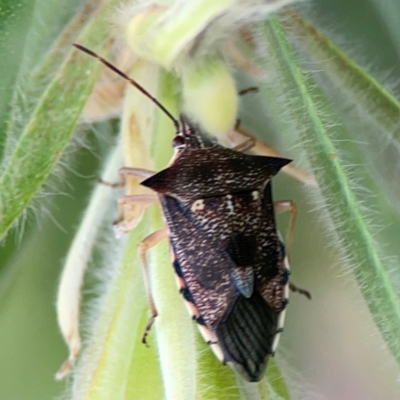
205,270
229,263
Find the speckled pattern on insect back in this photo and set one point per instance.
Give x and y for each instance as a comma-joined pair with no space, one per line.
224,244
228,256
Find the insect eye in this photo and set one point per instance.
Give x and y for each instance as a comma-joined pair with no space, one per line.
178,141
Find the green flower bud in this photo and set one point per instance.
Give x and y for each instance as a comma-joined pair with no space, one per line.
210,96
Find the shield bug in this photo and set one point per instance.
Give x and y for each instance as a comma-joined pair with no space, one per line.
228,257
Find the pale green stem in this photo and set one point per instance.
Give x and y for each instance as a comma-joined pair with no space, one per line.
174,328
69,291
115,364
105,367
175,28
173,34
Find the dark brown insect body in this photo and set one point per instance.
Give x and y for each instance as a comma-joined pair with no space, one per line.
229,259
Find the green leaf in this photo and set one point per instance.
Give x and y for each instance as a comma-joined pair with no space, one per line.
362,88
51,124
15,19
214,380
389,11
375,111
36,74
275,382
352,231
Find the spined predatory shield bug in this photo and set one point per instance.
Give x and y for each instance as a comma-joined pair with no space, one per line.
228,257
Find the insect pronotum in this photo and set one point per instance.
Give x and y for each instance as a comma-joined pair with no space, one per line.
229,259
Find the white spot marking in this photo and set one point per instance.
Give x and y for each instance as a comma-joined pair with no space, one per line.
198,205
229,204
255,195
281,318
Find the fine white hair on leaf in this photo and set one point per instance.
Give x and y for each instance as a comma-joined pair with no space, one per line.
237,15
298,386
219,24
332,214
69,291
248,390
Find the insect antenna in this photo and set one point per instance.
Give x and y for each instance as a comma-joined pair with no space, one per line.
132,82
251,89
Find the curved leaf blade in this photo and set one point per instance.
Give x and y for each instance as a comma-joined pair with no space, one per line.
350,225
50,126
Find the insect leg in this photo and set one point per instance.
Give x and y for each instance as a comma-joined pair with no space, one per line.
296,289
138,198
242,92
249,142
133,199
247,145
289,205
145,245
283,206
251,89
128,171
143,199
139,172
120,183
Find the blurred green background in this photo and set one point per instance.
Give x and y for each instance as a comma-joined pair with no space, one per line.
330,349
